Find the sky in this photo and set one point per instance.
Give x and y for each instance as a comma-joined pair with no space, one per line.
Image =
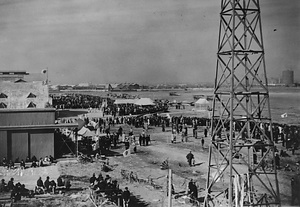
142,41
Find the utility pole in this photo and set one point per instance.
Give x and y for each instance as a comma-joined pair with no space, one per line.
241,126
170,188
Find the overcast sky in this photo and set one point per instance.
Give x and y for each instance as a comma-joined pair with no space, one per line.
144,41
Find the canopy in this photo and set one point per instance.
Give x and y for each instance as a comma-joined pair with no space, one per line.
144,102
124,101
85,132
202,101
202,104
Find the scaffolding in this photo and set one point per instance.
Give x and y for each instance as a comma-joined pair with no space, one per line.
242,171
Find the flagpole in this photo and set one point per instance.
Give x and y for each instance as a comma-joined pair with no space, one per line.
47,76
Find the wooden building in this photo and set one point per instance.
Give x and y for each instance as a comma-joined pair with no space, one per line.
28,132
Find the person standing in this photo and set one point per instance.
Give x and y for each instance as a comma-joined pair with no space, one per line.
47,184
205,132
190,158
126,197
202,142
163,125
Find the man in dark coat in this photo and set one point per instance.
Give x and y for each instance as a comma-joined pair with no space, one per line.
10,184
126,197
190,158
47,184
92,179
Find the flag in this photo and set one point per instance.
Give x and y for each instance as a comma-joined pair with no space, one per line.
44,71
284,115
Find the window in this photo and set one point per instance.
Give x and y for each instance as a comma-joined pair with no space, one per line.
2,95
3,105
31,105
31,95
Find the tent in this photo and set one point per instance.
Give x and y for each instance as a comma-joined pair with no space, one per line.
85,132
202,104
125,101
144,102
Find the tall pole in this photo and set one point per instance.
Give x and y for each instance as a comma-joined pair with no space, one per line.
76,137
170,188
244,120
47,80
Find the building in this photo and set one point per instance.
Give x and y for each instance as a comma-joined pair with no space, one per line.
27,122
22,95
28,132
288,77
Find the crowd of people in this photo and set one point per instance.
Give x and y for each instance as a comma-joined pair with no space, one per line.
107,187
34,162
50,186
75,101
16,190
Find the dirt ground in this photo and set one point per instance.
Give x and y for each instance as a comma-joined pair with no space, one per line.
145,163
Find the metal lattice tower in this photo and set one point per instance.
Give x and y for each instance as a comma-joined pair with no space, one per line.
241,154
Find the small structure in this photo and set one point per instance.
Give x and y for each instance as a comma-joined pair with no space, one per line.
202,105
144,102
124,101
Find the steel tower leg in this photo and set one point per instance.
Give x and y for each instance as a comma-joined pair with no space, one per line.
242,152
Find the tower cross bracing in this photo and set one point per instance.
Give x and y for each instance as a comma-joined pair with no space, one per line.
242,171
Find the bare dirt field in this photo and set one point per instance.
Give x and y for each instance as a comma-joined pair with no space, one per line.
145,164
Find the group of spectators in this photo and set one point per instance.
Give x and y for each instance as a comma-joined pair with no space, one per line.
107,187
22,164
50,186
16,190
132,109
75,101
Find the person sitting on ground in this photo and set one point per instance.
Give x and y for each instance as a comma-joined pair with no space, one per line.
39,186
47,184
126,197
107,179
33,164
27,159
4,162
34,158
67,184
92,179
10,184
3,186
46,161
22,164
41,163
51,159
100,177
15,194
24,191
101,186
11,164
60,182
52,186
